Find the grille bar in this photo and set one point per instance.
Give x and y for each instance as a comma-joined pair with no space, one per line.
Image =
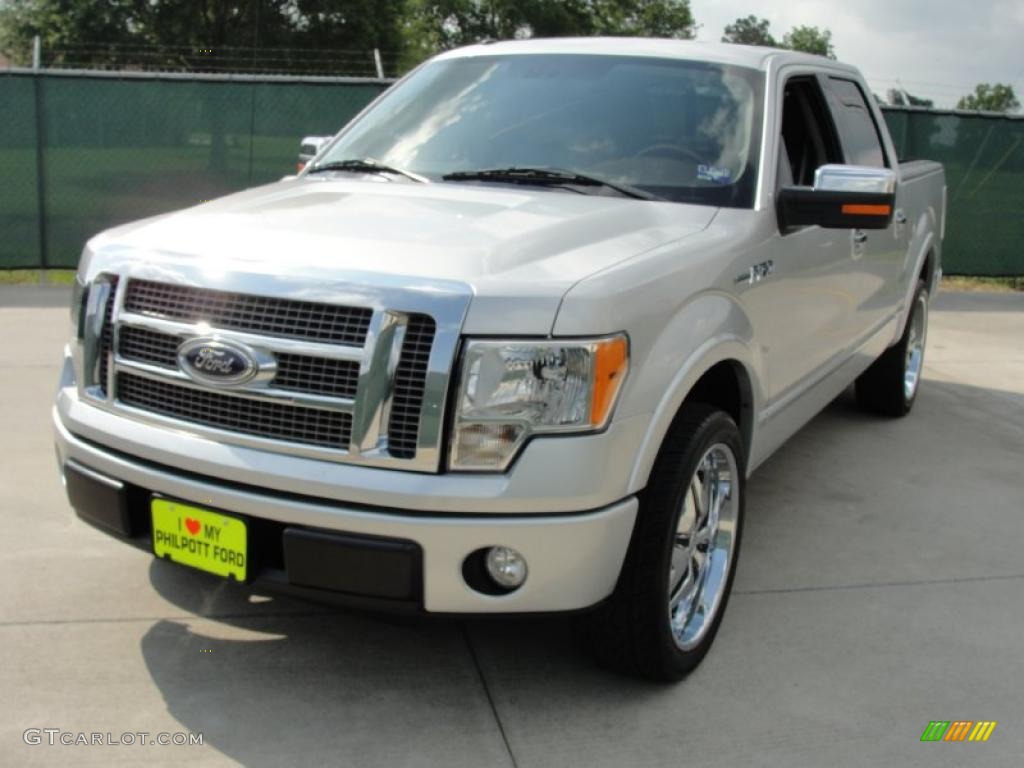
287,318
410,387
297,424
296,373
107,337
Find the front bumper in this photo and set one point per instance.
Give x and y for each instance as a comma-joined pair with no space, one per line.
574,559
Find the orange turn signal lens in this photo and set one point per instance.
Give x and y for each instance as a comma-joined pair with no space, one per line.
611,361
856,209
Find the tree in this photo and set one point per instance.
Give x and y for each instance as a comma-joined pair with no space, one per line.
441,24
86,33
58,22
749,31
218,28
810,40
990,98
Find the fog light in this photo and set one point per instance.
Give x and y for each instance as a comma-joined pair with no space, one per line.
506,566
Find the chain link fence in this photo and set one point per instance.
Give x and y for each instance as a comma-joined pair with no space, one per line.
84,151
226,59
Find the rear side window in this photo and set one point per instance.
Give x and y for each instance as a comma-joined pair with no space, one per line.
861,143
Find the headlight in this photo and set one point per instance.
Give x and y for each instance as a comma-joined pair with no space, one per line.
510,390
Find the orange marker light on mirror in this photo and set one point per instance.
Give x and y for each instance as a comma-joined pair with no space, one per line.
856,209
611,361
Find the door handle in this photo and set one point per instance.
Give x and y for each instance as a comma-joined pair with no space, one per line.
860,236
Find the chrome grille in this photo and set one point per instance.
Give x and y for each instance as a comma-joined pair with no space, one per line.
343,383
267,315
410,385
309,426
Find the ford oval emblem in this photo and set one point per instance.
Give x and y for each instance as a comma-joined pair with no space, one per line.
217,362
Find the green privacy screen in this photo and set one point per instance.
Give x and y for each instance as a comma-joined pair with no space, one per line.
19,195
118,148
984,160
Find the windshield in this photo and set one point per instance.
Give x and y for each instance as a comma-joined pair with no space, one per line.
681,130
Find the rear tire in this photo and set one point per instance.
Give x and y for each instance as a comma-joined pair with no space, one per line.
674,586
889,387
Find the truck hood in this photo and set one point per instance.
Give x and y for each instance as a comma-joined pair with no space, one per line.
517,249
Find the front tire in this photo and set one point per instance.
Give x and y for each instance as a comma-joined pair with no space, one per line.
889,387
675,582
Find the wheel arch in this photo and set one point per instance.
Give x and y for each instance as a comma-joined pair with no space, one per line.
927,271
926,266
719,375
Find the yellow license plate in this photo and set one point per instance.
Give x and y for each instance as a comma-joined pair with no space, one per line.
204,539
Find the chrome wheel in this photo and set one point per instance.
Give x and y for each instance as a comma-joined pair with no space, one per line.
703,546
917,332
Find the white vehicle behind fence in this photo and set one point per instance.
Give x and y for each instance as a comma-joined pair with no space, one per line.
308,148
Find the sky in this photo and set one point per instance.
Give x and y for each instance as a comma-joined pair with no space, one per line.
937,49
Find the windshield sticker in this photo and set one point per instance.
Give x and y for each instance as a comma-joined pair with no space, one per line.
713,174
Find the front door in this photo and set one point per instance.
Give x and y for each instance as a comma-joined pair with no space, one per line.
803,311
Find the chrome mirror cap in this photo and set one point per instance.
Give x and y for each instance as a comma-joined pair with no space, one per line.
855,178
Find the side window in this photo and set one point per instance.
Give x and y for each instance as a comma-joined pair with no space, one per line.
857,127
808,135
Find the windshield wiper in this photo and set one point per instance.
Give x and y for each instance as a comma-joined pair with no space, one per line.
366,165
551,177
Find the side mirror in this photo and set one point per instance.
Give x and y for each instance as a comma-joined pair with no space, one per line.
843,197
308,149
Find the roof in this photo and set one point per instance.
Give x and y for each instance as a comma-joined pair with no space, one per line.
751,56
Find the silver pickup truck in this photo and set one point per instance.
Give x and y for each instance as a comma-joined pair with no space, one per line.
513,341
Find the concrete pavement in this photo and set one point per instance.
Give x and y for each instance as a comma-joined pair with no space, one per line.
881,586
